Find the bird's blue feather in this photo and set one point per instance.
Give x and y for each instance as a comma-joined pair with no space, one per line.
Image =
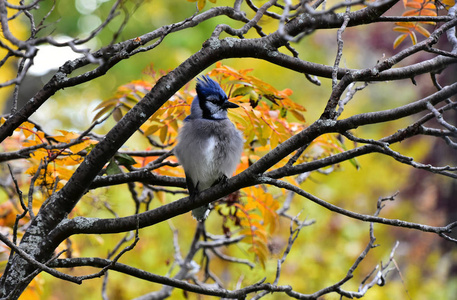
207,86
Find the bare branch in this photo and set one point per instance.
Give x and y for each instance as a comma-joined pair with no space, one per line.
39,265
361,217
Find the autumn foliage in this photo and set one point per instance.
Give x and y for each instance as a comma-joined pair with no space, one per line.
108,194
419,8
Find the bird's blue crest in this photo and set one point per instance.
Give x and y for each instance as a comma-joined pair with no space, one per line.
206,86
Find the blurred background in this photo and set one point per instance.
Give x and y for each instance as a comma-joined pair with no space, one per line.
425,265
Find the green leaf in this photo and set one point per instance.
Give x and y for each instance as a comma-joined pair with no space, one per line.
246,90
124,159
112,168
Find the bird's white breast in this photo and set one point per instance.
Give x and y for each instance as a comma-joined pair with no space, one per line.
209,149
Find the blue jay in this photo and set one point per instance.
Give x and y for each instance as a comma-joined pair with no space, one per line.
209,146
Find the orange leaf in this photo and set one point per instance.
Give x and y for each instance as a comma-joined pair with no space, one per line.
429,5
428,12
414,5
410,13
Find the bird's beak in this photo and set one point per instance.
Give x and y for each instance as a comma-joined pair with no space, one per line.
228,104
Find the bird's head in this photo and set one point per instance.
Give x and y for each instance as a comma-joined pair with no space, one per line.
212,99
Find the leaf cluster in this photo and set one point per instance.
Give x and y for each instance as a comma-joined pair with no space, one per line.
267,117
52,158
426,8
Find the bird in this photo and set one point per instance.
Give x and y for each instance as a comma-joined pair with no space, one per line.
209,146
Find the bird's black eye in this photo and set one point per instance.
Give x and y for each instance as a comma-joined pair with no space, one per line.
214,99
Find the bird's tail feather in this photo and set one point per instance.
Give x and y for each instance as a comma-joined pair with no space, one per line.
201,213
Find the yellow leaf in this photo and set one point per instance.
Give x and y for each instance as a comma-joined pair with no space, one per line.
399,39
448,2
27,129
70,160
163,134
39,137
174,125
298,115
61,139
32,170
237,118
40,154
266,132
412,35
201,4
79,147
246,231
402,29
161,196
274,140
101,112
151,129
422,31
64,173
107,103
30,143
68,135
28,125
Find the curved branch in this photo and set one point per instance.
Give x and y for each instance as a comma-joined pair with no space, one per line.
362,217
135,272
